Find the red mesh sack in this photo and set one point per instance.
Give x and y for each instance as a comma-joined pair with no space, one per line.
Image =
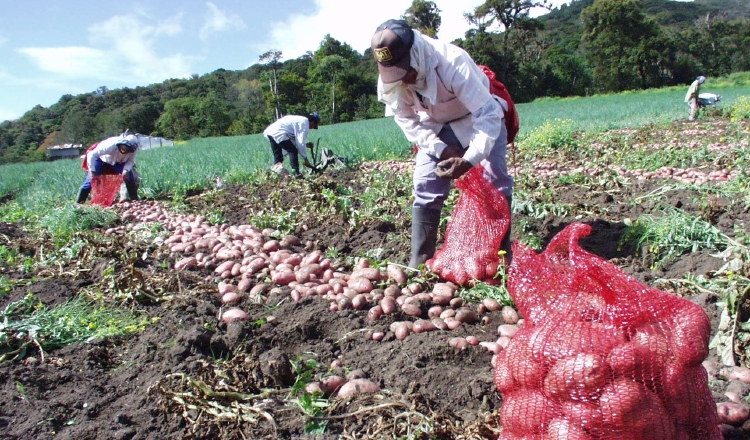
512,123
601,356
478,224
104,189
85,162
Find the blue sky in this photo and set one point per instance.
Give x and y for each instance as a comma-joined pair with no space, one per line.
49,48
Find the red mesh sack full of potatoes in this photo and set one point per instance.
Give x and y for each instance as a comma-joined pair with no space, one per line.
601,356
104,189
478,224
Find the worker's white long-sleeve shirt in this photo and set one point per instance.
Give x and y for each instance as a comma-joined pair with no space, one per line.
463,100
108,152
294,128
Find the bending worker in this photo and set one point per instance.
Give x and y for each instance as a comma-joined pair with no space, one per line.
691,97
114,155
441,100
288,137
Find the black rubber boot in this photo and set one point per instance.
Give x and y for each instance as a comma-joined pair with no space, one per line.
424,229
505,245
132,188
83,194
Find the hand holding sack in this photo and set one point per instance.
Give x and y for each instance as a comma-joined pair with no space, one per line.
453,168
600,355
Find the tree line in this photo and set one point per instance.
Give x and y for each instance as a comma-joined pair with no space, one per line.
580,49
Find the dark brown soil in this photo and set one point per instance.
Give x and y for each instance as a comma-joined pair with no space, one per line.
149,386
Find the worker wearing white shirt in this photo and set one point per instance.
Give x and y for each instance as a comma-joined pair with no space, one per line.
288,137
114,155
441,100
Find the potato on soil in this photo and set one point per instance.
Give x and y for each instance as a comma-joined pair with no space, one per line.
356,387
232,314
186,263
331,383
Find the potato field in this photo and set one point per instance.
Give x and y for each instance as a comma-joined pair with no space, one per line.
261,307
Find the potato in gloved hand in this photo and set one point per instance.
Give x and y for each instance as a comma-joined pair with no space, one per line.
453,168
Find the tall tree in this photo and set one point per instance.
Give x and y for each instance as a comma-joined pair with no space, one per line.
424,16
272,58
627,50
512,16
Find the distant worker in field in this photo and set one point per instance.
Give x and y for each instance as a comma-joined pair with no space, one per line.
441,100
692,96
288,137
114,155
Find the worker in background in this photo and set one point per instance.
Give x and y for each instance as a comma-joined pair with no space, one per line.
114,155
691,98
288,137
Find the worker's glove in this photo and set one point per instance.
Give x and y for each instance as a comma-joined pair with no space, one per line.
453,168
451,151
310,145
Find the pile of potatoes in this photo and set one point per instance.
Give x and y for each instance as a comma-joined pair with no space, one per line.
243,257
684,175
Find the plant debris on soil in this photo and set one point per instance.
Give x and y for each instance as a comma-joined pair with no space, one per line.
189,375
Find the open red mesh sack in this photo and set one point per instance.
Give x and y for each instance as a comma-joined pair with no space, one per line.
104,189
478,224
601,356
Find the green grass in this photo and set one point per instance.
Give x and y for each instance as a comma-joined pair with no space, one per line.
548,127
27,324
667,237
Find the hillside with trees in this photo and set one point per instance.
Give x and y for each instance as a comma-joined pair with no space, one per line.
587,47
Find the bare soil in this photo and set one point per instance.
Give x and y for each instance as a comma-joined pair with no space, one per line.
149,386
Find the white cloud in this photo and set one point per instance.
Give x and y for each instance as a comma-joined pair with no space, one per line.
219,21
122,49
72,62
345,21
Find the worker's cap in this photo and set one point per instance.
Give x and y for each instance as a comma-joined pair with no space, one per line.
129,141
315,117
701,79
391,45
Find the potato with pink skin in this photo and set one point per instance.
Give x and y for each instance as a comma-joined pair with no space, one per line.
396,274
304,273
732,413
458,343
491,304
525,410
423,325
411,309
330,384
226,288
579,377
357,387
370,273
388,304
232,314
360,284
401,330
186,263
283,278
563,429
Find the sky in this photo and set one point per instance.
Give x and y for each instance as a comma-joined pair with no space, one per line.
50,48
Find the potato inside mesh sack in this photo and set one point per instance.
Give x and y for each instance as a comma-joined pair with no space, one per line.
601,356
474,233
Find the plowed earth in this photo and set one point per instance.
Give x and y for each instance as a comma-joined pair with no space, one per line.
173,380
